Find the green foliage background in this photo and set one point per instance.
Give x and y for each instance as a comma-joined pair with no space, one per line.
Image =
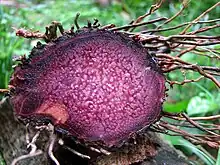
196,99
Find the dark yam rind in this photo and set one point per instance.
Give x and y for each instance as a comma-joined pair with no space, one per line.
97,85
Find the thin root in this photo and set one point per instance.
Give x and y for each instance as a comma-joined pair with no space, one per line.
16,160
34,151
50,150
105,151
76,21
4,90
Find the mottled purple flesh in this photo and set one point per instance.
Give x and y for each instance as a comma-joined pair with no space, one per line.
99,86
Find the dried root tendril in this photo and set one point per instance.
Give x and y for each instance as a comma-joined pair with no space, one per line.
178,121
31,144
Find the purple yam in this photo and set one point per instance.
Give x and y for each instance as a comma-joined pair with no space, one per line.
96,85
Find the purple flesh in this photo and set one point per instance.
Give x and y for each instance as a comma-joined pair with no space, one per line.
98,86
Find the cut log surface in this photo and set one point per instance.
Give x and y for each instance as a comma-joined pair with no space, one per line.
146,149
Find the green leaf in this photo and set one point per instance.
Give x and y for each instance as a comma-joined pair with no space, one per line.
199,105
176,107
218,158
191,149
2,161
208,160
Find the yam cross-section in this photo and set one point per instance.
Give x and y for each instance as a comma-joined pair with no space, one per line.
97,85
